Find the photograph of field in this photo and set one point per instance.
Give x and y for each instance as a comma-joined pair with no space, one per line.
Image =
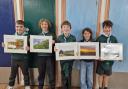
88,50
40,43
16,44
66,53
77,50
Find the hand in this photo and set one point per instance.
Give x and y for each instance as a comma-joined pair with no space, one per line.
120,60
27,48
55,49
3,45
100,59
53,41
29,40
77,53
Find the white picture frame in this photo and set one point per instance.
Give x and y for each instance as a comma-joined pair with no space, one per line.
38,44
88,50
111,51
66,51
15,44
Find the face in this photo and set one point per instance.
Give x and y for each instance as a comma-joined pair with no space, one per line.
19,29
44,26
66,29
107,30
87,35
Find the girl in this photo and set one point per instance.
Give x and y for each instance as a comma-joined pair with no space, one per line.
46,60
86,66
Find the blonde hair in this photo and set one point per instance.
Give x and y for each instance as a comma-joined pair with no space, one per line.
44,20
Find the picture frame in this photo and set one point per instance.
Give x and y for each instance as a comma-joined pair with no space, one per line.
77,50
15,44
111,51
40,44
88,50
66,51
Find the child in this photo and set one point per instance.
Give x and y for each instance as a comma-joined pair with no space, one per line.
104,68
19,60
86,66
66,66
46,60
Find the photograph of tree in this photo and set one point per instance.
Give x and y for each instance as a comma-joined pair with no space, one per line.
40,44
15,44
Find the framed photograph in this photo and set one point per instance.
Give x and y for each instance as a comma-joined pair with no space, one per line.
15,44
111,51
66,51
88,50
40,44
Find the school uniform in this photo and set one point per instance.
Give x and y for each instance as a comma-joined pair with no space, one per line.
105,67
66,65
46,62
19,60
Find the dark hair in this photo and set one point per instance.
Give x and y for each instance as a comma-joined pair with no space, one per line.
107,23
88,30
21,22
66,23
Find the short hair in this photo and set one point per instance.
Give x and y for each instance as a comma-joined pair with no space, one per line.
107,23
88,30
21,22
44,20
66,23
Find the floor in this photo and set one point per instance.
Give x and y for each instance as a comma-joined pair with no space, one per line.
4,86
117,81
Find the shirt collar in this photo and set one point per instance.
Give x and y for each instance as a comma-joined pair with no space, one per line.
67,36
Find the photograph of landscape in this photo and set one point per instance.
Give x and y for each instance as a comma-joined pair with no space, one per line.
40,44
111,51
77,50
63,53
66,51
88,50
15,44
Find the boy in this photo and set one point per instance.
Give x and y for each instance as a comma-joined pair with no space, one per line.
66,66
19,60
46,60
104,68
